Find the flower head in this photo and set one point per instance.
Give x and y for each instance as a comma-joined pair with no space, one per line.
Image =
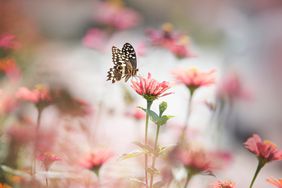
150,88
223,184
8,41
95,160
265,150
193,78
116,16
40,95
167,38
276,182
196,161
48,158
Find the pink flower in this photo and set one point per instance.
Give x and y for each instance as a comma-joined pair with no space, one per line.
118,17
39,96
193,78
196,161
10,68
7,103
8,41
265,150
48,158
150,88
169,39
276,182
223,184
231,87
95,38
95,160
137,114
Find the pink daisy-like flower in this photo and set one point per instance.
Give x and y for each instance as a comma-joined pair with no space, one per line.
223,184
150,88
40,96
8,41
276,182
265,150
193,78
196,161
47,159
95,160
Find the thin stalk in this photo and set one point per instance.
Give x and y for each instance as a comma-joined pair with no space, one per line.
259,167
36,139
189,177
186,121
149,104
154,156
46,180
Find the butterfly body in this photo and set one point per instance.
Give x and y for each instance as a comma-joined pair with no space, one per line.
125,63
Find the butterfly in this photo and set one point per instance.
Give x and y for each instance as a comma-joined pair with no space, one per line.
125,63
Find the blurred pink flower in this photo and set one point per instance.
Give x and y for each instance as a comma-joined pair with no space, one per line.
137,114
22,132
167,38
276,182
196,161
118,17
39,95
8,41
150,88
7,103
181,51
223,184
95,160
265,150
95,38
10,69
47,159
193,78
231,87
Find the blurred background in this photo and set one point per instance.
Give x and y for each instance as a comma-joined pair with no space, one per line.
67,44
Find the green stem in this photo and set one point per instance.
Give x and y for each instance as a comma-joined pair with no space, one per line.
155,154
259,167
189,177
36,139
149,104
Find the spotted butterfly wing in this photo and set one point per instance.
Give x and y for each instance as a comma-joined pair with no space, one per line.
125,63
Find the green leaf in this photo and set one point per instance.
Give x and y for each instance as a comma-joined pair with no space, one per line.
162,107
131,155
154,116
163,120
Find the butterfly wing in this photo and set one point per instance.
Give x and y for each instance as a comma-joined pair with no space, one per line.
119,60
130,54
